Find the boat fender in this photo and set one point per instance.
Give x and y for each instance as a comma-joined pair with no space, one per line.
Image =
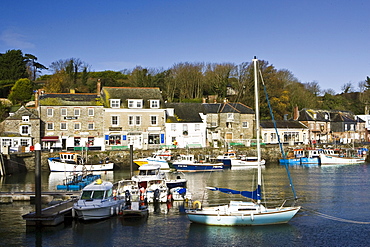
111,211
73,213
169,197
117,210
252,217
197,204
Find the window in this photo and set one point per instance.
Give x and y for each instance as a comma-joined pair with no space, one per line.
50,126
63,126
345,127
230,116
77,141
77,126
114,140
25,129
114,120
6,142
24,142
273,136
154,103
25,119
90,112
185,129
130,120
63,111
173,127
90,126
77,111
154,120
244,124
153,139
90,141
213,124
115,103
352,127
49,112
135,103
137,120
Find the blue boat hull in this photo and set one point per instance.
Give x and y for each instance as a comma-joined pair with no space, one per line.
300,161
198,167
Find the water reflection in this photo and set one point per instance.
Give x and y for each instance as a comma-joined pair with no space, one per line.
242,236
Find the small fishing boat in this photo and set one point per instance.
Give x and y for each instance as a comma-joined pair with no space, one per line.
240,213
326,159
187,163
73,162
135,208
98,200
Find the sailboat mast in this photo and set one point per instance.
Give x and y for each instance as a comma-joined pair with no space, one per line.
259,178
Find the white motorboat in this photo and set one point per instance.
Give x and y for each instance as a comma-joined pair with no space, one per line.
160,158
157,191
73,162
239,213
98,201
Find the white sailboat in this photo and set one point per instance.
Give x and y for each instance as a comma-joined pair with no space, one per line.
239,213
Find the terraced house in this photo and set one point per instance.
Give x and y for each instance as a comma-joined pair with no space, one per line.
71,120
133,116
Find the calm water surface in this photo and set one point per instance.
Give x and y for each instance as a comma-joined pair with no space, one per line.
334,191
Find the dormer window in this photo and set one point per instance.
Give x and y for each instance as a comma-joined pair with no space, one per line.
154,103
135,103
115,103
25,119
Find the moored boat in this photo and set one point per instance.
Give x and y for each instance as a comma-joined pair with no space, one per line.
187,163
160,158
98,201
73,162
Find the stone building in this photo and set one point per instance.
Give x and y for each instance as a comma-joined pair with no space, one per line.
20,130
133,116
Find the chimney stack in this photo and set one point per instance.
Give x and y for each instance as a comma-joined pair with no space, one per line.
295,113
98,87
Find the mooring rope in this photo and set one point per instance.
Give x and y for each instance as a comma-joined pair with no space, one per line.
326,216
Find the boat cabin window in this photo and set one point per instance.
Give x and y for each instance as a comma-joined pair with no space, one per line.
92,194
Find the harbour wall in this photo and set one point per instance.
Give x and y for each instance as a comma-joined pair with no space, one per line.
23,162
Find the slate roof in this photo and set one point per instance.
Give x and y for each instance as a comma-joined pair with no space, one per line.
227,108
283,124
23,111
185,112
308,115
125,93
69,99
334,116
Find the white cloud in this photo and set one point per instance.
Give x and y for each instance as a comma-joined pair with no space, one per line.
15,40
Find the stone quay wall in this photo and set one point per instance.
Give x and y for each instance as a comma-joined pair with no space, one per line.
22,162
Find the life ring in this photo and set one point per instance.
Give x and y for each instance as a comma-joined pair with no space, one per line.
197,203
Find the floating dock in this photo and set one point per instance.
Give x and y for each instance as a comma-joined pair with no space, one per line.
50,216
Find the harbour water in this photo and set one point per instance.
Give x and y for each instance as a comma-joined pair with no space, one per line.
335,212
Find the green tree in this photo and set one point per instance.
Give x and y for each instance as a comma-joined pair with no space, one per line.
12,65
21,92
33,67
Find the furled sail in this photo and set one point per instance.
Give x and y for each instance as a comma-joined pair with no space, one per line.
255,195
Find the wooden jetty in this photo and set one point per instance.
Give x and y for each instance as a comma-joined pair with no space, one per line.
9,197
50,216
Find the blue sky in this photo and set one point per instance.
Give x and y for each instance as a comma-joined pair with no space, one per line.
325,41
